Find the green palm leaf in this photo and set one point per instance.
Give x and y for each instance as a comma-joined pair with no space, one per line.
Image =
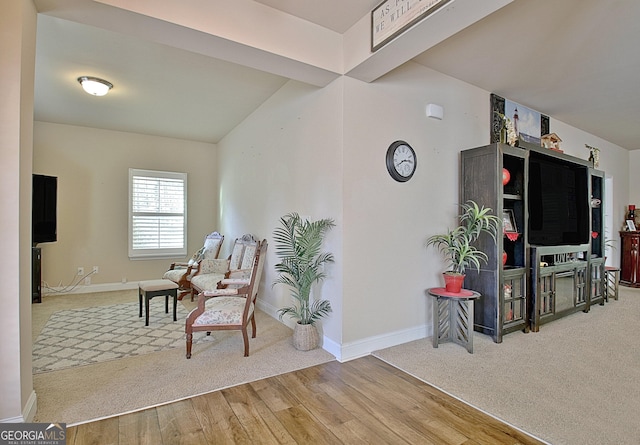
299,247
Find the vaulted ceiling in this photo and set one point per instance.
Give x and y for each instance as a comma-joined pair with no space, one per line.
574,60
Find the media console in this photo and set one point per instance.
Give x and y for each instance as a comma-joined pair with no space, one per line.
549,261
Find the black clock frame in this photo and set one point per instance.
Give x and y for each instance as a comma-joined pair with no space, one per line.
391,168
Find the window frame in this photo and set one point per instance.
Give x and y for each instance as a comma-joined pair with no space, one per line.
157,253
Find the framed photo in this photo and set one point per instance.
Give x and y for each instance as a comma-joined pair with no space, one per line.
391,18
509,222
631,226
530,124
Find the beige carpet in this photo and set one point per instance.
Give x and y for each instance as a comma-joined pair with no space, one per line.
577,381
89,392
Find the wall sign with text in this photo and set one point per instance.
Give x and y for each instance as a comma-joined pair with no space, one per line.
393,17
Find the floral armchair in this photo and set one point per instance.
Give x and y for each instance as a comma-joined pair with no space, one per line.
237,265
233,307
181,273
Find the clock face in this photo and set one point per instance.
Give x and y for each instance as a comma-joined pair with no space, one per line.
401,161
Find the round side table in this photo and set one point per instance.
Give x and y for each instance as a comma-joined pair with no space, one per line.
453,316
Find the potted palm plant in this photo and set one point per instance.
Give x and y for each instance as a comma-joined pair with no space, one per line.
298,244
457,245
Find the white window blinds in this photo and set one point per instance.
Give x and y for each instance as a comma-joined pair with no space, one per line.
157,214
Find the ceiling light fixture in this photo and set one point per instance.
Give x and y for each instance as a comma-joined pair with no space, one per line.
95,86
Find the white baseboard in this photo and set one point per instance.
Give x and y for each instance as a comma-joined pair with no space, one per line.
31,407
365,346
91,288
360,348
28,413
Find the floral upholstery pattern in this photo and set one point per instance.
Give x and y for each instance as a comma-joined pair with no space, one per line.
221,292
248,256
236,255
238,265
223,310
230,308
207,281
240,274
211,246
174,274
217,266
181,273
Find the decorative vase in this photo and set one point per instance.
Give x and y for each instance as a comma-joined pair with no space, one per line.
305,337
453,282
506,176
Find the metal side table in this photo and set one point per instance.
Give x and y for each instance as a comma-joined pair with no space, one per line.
453,316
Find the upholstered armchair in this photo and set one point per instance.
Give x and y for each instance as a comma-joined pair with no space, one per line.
229,308
237,265
181,273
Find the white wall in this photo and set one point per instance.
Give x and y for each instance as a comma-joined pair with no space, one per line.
92,167
17,66
287,157
387,267
634,178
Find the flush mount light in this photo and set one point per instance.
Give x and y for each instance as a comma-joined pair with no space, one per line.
95,86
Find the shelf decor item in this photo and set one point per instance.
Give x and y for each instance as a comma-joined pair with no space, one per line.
594,155
528,125
298,246
506,176
456,245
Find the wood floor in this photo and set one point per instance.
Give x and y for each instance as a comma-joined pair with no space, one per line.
364,401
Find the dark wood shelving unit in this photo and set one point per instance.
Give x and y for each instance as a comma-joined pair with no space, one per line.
522,294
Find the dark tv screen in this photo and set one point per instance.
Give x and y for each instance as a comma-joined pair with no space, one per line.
44,209
558,202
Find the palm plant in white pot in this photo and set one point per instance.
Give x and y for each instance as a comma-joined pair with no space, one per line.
299,247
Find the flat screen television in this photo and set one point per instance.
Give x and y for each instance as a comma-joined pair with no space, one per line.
558,201
44,209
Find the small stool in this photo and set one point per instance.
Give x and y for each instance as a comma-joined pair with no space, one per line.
611,282
154,288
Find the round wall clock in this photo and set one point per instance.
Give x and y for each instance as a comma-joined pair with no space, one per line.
401,161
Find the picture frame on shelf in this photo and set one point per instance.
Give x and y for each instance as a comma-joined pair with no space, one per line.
509,221
631,226
531,125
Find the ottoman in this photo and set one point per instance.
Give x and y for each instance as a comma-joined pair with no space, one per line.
153,288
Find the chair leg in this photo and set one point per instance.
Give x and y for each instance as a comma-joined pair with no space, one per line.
189,343
174,294
146,308
253,326
245,336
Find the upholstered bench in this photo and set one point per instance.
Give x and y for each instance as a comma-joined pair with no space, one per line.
153,288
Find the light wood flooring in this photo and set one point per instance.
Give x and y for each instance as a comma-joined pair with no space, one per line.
364,401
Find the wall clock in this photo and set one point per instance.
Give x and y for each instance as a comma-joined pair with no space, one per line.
401,161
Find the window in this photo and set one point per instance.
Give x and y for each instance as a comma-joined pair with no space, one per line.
157,214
